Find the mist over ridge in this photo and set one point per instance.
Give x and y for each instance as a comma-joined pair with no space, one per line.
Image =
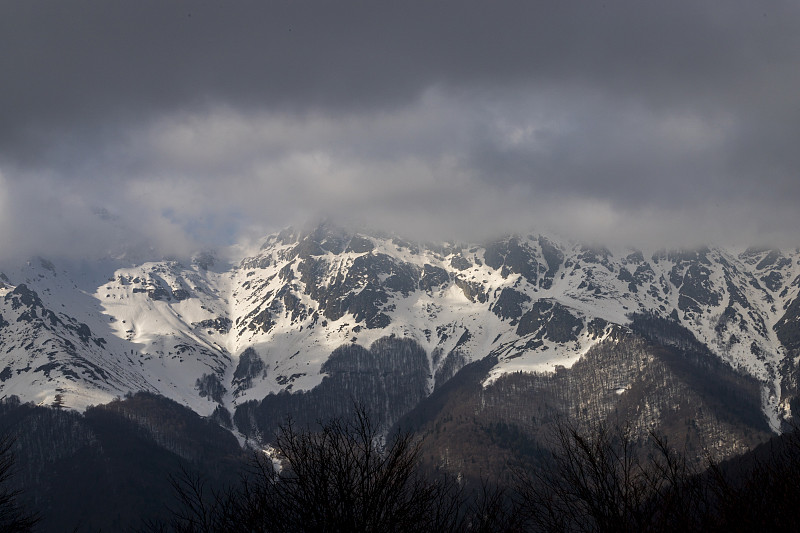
617,123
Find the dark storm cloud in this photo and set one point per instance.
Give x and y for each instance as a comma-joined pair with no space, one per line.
87,60
202,121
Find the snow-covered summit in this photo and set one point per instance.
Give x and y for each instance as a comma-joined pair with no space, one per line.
214,336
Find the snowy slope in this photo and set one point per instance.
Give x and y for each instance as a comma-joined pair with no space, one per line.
208,335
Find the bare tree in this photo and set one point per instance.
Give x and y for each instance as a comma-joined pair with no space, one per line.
491,509
14,518
340,478
602,480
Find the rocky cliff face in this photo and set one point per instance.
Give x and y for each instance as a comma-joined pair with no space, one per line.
314,320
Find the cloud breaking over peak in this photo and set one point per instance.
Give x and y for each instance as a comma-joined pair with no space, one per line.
198,124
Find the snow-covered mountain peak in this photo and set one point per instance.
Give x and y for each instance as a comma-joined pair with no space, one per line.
215,336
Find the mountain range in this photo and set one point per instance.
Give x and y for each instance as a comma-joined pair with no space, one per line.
701,343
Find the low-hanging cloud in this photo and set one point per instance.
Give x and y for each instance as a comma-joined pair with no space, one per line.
171,127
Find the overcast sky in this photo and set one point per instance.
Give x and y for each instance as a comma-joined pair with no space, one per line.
188,124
